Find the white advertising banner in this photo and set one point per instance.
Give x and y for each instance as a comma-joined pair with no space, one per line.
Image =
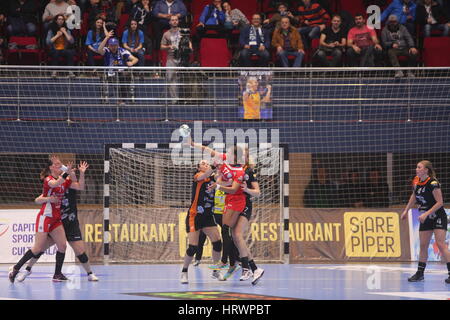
17,229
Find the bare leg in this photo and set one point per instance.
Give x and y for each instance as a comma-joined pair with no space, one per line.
214,236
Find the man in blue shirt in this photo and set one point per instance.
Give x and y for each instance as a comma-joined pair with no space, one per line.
163,10
255,40
405,10
212,18
115,56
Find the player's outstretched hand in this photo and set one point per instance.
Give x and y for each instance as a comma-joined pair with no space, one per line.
83,166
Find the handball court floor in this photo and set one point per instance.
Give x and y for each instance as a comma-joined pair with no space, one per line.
290,281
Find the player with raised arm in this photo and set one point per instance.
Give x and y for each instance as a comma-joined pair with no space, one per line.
433,219
201,218
48,221
70,222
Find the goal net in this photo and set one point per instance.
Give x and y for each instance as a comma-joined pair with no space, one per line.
150,193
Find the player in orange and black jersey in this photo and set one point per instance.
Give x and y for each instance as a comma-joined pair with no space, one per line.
433,219
200,218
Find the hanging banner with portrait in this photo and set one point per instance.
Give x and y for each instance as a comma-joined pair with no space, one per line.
255,95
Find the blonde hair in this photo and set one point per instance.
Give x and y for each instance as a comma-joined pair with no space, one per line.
431,172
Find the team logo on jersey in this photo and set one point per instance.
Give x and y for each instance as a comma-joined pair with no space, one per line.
228,175
246,177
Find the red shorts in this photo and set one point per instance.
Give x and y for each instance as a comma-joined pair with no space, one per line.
47,224
235,203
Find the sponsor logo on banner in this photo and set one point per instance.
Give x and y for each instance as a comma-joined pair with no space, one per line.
17,233
372,234
4,226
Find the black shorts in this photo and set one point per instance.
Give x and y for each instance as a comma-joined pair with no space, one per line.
439,221
247,213
218,217
200,221
72,230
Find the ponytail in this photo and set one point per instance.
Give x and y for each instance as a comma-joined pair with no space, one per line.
46,171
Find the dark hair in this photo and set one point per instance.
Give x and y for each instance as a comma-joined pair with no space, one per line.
237,150
359,14
130,34
46,171
336,16
94,28
54,25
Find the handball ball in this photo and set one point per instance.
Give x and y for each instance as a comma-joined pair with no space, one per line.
185,131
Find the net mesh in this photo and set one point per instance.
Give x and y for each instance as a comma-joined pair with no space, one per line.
354,135
150,195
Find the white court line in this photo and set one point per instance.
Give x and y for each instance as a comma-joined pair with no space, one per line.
3,298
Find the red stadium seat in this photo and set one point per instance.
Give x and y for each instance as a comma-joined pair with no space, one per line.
123,21
27,47
214,53
436,52
353,7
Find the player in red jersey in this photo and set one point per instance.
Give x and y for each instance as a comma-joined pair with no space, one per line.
48,221
232,181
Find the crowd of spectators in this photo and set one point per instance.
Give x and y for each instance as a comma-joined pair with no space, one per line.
282,36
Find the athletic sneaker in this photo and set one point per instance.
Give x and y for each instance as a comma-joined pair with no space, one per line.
217,275
196,263
12,274
22,276
246,274
184,278
447,280
59,278
416,277
92,277
230,272
218,266
257,274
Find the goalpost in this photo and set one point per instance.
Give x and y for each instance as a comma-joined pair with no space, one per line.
146,197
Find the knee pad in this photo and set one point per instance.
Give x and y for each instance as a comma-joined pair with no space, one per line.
191,250
217,246
83,258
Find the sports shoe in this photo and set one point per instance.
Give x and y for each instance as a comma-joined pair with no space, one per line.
218,266
71,74
92,277
230,272
59,278
53,75
22,276
216,274
12,274
184,278
196,263
416,277
257,274
410,74
447,280
399,74
246,274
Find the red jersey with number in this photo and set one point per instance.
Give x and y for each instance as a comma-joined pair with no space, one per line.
231,173
53,210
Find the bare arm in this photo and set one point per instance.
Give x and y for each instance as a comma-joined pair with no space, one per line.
204,175
41,199
411,202
254,191
80,184
437,193
231,190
